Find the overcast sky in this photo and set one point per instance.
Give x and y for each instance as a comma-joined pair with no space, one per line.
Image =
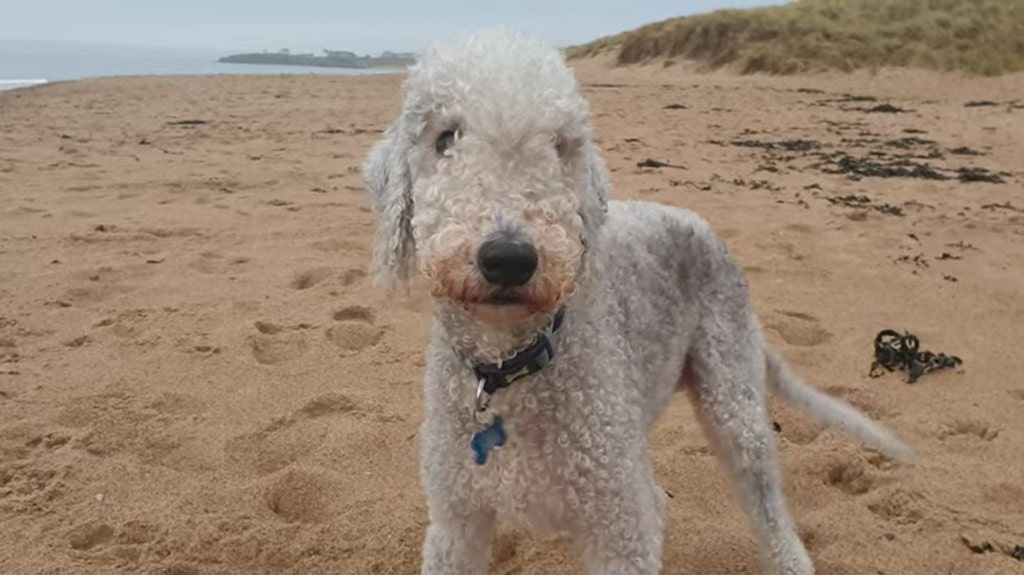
367,26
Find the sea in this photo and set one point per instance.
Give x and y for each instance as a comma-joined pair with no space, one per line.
31,63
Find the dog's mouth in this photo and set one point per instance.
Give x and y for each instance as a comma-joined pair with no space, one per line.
501,308
534,297
504,299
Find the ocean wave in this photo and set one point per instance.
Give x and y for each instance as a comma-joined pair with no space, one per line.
7,84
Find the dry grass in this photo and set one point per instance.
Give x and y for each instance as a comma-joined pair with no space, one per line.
974,36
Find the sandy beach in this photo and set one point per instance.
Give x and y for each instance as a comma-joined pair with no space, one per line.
197,376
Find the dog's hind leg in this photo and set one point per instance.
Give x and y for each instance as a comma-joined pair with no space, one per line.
727,386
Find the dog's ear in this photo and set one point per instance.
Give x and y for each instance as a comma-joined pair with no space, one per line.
600,183
593,210
600,179
386,171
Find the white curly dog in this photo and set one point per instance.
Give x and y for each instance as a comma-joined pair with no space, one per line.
564,323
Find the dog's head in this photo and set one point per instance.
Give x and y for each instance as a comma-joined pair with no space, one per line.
489,182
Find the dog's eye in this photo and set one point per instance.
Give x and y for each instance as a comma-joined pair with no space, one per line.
567,145
445,141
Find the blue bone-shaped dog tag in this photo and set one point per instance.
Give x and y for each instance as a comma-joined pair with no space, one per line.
488,438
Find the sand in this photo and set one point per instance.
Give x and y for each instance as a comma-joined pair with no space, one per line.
197,376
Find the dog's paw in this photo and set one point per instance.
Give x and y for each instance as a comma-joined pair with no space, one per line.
792,559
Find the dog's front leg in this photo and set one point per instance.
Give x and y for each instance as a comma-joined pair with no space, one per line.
458,538
620,528
458,545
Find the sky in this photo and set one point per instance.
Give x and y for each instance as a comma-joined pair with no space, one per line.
365,27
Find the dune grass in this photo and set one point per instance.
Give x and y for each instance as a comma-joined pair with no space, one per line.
982,37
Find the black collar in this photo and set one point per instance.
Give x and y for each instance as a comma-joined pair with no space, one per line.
529,360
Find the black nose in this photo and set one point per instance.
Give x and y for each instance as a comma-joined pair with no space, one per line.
507,263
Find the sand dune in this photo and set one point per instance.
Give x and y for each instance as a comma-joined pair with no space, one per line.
196,376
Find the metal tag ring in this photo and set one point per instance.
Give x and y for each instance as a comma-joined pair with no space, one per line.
483,399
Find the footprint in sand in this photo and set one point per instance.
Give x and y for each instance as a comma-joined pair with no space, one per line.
800,329
210,263
88,535
351,276
332,403
290,438
355,329
311,278
98,285
77,341
301,495
1006,493
177,232
799,228
33,475
338,245
153,430
793,251
849,477
863,400
968,428
135,532
274,343
32,487
506,546
8,350
901,506
22,210
127,541
798,429
856,475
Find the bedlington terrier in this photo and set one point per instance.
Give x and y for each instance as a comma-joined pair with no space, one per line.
565,322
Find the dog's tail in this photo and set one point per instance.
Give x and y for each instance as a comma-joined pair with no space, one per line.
829,410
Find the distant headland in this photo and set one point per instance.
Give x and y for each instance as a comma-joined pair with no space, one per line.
329,59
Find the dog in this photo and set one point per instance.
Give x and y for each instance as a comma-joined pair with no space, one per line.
564,322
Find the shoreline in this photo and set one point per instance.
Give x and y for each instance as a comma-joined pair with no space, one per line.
15,85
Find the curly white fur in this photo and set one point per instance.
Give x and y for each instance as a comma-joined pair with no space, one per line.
654,303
